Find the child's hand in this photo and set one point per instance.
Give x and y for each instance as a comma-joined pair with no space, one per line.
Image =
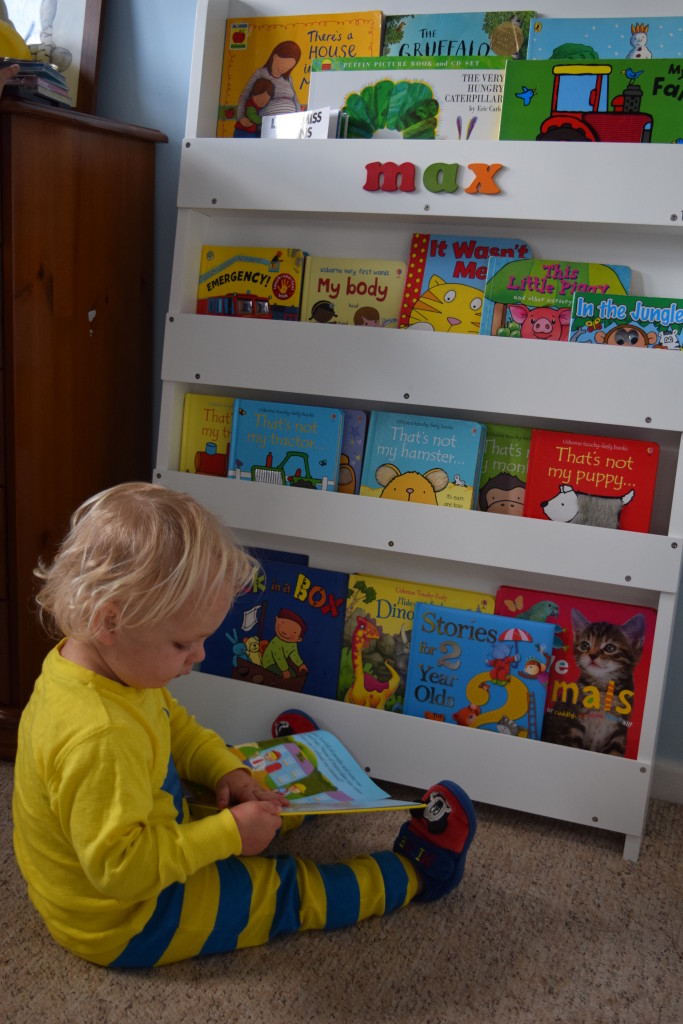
258,822
239,787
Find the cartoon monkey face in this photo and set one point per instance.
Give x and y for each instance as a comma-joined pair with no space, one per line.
630,337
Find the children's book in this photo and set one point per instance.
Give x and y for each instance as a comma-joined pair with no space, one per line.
502,480
362,292
314,770
284,631
597,678
352,448
498,33
591,480
285,444
456,98
205,437
437,263
605,100
631,321
431,460
267,63
480,671
305,124
532,298
376,639
601,38
250,281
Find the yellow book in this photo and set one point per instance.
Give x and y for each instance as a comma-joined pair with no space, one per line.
250,281
205,439
362,292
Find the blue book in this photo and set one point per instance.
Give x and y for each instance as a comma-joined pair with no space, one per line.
285,631
605,38
285,444
481,671
431,460
352,448
457,34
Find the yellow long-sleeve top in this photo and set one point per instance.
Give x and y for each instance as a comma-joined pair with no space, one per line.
96,834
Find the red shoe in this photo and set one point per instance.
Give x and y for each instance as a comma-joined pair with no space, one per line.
292,721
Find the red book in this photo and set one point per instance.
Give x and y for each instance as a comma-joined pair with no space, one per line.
591,480
597,678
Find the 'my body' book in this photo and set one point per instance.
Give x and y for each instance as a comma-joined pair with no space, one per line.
357,291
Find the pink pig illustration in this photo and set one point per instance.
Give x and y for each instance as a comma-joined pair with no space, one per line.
542,322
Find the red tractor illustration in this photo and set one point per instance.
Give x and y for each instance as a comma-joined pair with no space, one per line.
580,111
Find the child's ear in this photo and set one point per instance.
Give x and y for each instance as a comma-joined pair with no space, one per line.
106,623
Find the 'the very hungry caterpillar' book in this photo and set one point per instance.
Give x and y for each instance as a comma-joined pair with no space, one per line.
479,671
376,640
437,263
591,480
362,292
205,438
285,444
504,466
250,281
593,38
532,298
429,460
267,62
597,678
457,34
629,321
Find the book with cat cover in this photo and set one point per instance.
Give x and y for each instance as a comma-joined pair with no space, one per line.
594,38
438,262
352,448
456,98
457,34
591,480
376,639
250,281
431,460
357,291
479,671
286,444
285,631
631,321
597,678
532,298
504,465
598,100
205,436
267,63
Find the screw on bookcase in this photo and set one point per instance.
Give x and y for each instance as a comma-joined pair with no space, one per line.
406,395
643,770
595,818
391,543
674,216
674,545
648,419
187,145
427,208
214,202
197,376
627,578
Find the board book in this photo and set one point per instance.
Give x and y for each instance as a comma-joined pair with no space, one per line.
250,281
430,460
479,671
606,100
455,98
590,480
597,679
285,444
613,38
376,638
284,631
504,466
205,437
532,298
455,34
631,321
267,63
437,262
352,449
361,292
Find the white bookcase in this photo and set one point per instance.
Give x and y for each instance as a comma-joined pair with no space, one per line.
607,202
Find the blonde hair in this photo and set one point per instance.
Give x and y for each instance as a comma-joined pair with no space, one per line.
145,548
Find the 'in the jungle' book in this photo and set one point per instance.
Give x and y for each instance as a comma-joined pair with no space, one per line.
629,321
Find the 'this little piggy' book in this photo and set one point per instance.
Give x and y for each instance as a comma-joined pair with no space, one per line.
457,34
361,292
629,321
250,281
479,671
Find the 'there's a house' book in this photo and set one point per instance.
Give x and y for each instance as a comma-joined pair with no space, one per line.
632,39
352,449
285,444
267,62
444,287
629,321
479,671
591,480
532,298
597,679
429,460
205,437
504,466
458,34
250,281
285,631
376,640
357,291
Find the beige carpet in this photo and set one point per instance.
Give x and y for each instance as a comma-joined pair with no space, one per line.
549,925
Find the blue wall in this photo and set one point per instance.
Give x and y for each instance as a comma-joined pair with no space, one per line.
144,77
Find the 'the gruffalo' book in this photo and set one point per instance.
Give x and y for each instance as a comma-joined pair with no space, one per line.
591,480
286,631
376,640
361,292
250,281
458,34
597,678
480,671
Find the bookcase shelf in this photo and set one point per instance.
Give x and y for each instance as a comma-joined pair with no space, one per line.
569,202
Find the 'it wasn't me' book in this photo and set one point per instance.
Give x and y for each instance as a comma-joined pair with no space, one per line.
361,292
250,281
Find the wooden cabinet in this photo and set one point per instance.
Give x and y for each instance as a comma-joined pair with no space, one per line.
76,370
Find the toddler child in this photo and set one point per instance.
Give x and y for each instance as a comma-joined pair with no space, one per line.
113,862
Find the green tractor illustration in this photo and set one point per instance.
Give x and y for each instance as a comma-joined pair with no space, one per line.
282,475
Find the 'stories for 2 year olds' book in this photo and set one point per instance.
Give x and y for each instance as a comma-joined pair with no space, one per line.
629,321
458,34
205,437
361,292
250,281
504,466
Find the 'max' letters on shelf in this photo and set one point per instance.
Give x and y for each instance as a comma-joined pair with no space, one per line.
438,177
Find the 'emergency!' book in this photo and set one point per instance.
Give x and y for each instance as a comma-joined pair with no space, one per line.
480,671
532,298
591,480
613,38
629,321
379,622
362,292
250,281
456,34
599,669
502,480
286,631
437,263
205,438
